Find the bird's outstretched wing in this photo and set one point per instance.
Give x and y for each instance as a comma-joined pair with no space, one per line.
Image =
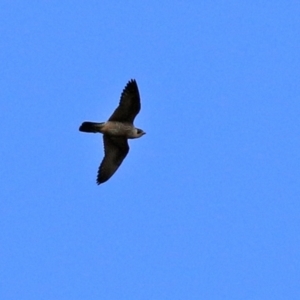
129,105
115,149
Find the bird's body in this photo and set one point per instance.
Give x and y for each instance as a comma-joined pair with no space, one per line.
112,128
117,130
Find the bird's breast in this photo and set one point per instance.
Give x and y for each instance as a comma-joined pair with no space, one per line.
117,129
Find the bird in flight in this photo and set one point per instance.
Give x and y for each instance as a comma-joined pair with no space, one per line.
117,130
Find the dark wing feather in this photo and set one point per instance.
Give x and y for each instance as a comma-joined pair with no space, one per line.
129,105
115,149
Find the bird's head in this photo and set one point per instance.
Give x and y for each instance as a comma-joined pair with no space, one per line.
139,132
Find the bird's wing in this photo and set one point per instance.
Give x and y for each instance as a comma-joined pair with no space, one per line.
115,149
129,105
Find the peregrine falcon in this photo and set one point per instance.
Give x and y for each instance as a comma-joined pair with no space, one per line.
117,130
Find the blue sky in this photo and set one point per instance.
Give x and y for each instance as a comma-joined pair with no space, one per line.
206,204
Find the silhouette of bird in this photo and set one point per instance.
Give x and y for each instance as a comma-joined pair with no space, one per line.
117,130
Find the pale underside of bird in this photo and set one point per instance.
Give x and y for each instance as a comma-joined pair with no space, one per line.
117,130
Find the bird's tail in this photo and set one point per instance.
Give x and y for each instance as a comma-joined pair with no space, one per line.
91,127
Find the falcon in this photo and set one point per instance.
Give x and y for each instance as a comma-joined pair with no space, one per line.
117,130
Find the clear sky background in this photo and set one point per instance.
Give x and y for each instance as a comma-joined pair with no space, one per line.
207,203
